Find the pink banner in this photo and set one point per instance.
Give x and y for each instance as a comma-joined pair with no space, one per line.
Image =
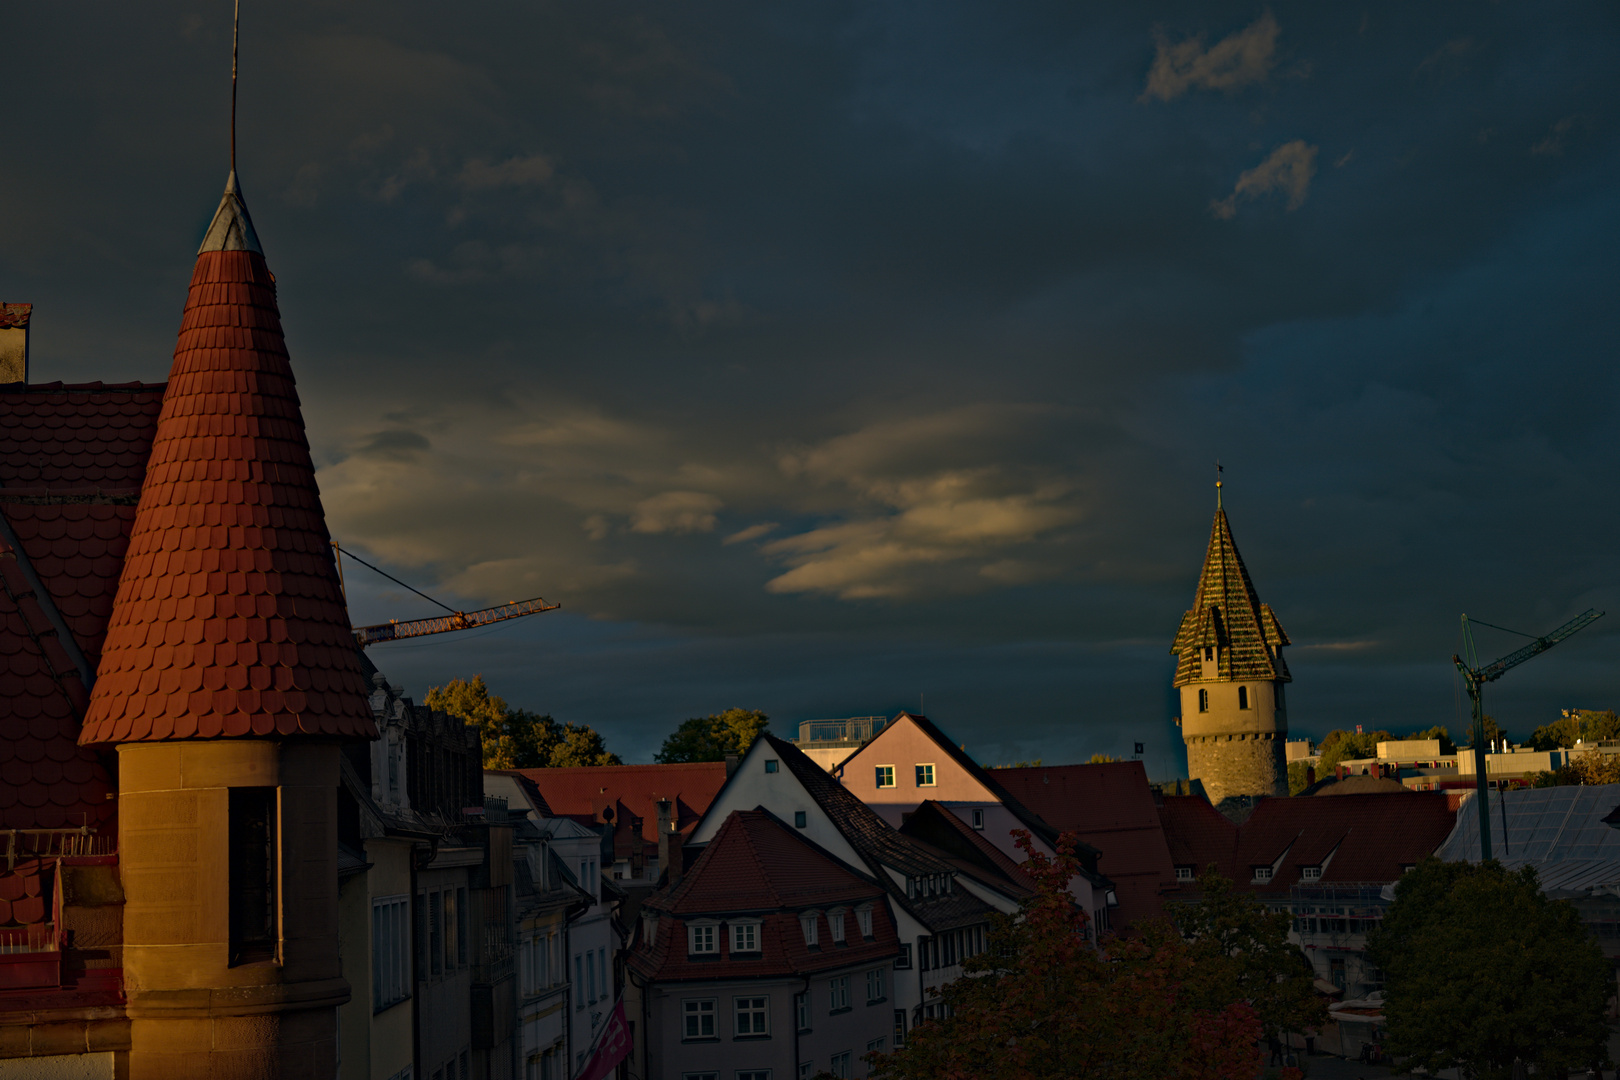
612,1047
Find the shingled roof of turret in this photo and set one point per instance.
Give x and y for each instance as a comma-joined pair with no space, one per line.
1228,614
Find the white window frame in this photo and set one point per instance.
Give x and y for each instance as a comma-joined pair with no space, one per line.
692,1010
810,923
745,936
835,923
876,986
839,1066
881,773
863,919
932,774
838,993
1186,873
1262,875
1311,873
760,1014
390,956
703,938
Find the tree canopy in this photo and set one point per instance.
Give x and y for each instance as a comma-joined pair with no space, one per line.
1339,745
1481,969
1043,1002
711,738
1576,725
516,738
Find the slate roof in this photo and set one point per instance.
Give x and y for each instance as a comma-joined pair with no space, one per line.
1370,837
71,461
758,867
1227,613
880,846
229,619
1111,807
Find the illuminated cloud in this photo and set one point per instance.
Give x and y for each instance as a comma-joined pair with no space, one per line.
1235,61
1288,170
675,512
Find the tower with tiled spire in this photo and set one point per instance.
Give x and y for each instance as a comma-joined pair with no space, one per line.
227,681
1230,673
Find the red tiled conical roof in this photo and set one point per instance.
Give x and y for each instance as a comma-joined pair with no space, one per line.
229,620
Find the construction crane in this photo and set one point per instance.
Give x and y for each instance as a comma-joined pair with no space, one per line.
1476,677
395,629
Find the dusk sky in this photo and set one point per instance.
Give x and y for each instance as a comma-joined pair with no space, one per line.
832,359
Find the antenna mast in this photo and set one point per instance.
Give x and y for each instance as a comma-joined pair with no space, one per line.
236,21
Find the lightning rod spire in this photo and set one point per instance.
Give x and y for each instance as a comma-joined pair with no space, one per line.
236,22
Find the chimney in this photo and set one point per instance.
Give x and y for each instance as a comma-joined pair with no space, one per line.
669,842
14,342
731,765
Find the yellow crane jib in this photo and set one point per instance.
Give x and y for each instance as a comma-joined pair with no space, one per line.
459,620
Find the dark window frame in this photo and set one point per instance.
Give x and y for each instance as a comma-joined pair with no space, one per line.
254,874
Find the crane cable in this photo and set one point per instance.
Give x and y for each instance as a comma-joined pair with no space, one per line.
392,578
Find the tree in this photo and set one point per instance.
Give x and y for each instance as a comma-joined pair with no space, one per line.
1043,1002
1241,952
1298,776
711,738
1482,969
1340,745
1102,759
1576,725
517,738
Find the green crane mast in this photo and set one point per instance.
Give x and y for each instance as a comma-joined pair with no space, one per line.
1476,677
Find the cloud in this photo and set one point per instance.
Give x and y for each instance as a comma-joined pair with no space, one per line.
753,532
1552,144
480,175
675,512
1235,61
1289,170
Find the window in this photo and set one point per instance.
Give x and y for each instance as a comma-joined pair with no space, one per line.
899,1027
771,765
805,1069
885,776
874,986
590,977
863,917
1184,873
840,1064
811,926
700,1076
436,934
701,939
903,961
601,966
753,1074
875,1046
978,819
252,874
579,981
838,993
461,927
744,937
1209,654
1311,873
1262,873
752,1016
698,1014
925,776
800,819
1203,701
450,928
835,920
390,951
1243,697
801,1010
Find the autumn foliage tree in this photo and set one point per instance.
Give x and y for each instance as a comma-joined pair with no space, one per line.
1043,1002
517,738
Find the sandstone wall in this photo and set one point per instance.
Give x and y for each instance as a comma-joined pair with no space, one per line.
1248,763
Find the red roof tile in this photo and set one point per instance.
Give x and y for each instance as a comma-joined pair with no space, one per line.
630,792
1111,807
758,867
229,619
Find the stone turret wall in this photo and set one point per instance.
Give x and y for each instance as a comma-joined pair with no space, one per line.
1247,763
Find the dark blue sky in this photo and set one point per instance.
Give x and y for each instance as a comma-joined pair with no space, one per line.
821,358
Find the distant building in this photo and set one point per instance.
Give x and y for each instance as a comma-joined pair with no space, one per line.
1230,672
829,742
768,958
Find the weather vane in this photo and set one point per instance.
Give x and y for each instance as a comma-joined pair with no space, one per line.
1218,470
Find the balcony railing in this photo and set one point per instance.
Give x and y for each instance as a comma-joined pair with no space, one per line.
855,729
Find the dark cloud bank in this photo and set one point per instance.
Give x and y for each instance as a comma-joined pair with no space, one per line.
821,358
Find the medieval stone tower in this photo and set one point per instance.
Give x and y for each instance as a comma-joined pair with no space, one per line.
1230,672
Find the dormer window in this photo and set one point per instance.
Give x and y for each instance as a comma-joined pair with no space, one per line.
978,818
835,921
1262,874
1209,654
1203,701
863,917
1243,697
811,925
1311,873
744,937
703,939
1185,873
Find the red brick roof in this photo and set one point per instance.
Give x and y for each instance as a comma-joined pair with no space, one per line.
1370,837
1111,807
630,791
758,867
71,462
229,620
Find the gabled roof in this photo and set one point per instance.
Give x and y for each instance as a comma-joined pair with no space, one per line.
1111,807
938,827
229,619
758,867
1227,614
71,462
879,845
630,790
1370,837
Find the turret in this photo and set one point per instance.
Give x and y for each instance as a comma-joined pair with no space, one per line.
1230,672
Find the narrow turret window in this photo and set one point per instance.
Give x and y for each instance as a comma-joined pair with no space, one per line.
1209,654
1243,697
1203,701
252,871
